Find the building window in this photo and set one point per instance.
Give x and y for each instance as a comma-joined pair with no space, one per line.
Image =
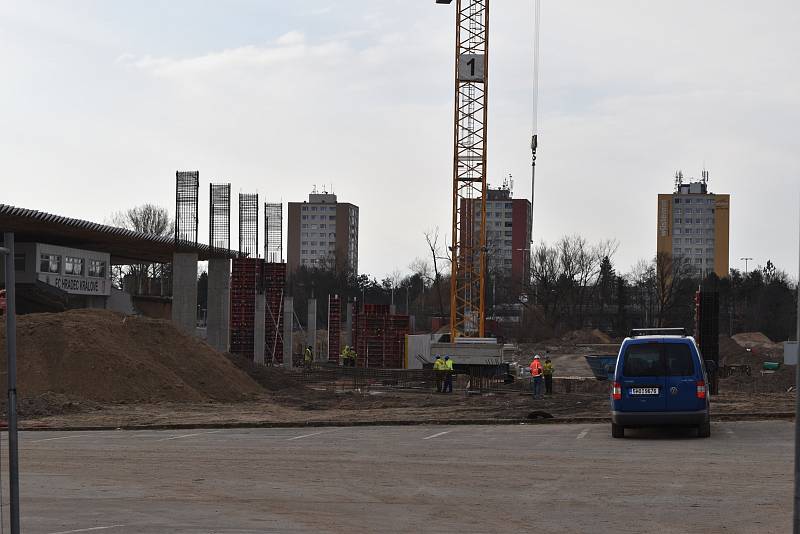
698,261
313,243
305,234
678,220
305,217
678,230
677,201
97,268
508,224
331,217
305,208
304,252
305,226
321,226
313,208
313,226
50,263
698,251
322,234
677,251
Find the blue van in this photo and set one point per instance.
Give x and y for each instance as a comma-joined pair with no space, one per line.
659,379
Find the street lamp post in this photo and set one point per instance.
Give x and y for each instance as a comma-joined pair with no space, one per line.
11,343
745,263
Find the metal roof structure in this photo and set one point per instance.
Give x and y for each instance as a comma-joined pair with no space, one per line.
125,246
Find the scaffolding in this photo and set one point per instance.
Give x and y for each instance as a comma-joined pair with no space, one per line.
248,225
219,211
467,291
273,232
187,184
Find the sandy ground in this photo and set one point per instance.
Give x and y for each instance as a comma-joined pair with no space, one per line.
391,406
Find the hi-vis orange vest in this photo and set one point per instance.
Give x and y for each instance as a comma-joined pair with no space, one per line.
536,368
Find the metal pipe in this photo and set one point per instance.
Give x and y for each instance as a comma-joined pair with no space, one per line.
797,401
11,344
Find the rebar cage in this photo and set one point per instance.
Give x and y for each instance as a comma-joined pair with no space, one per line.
187,184
248,225
219,211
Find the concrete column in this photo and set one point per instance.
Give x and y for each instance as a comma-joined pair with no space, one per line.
259,328
218,331
288,316
184,291
311,330
348,325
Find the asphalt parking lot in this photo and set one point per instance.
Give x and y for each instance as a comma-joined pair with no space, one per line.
543,478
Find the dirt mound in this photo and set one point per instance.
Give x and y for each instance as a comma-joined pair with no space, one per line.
733,351
585,336
103,356
750,340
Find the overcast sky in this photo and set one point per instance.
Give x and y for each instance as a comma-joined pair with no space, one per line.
101,102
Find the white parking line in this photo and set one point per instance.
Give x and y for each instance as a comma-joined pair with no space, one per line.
439,434
53,439
87,529
312,434
583,433
189,435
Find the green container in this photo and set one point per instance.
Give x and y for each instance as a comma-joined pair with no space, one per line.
771,366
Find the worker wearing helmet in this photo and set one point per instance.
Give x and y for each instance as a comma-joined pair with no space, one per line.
448,374
438,372
537,374
308,357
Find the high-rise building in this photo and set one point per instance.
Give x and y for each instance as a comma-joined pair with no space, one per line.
694,224
322,234
508,233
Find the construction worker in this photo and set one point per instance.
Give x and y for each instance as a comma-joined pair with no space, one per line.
448,375
308,357
536,377
438,372
547,370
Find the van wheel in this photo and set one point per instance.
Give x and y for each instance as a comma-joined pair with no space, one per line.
617,431
704,430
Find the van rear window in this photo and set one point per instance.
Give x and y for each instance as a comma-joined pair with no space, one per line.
643,359
679,359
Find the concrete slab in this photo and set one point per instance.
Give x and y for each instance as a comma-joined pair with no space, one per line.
543,478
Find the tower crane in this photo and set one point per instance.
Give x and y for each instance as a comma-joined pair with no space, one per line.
468,250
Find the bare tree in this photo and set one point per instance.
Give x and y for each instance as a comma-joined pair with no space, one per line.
432,237
670,273
147,219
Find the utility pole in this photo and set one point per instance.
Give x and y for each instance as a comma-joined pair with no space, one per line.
11,345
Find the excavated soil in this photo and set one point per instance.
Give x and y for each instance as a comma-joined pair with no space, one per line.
87,356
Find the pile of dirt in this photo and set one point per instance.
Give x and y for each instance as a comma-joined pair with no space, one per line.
755,340
585,336
104,356
751,349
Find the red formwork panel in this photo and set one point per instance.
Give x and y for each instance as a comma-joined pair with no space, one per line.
245,279
380,338
274,285
334,327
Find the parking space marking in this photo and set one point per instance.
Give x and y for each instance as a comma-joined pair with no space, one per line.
312,434
189,435
439,434
92,529
53,439
583,433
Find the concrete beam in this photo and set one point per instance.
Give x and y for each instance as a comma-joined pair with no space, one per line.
184,291
259,328
311,329
218,321
288,316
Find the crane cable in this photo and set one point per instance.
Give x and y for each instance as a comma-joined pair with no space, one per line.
535,127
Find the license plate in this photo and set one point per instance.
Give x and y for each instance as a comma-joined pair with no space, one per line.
643,391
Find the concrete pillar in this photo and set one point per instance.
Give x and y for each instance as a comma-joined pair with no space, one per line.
311,330
288,316
348,325
218,331
259,328
184,291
